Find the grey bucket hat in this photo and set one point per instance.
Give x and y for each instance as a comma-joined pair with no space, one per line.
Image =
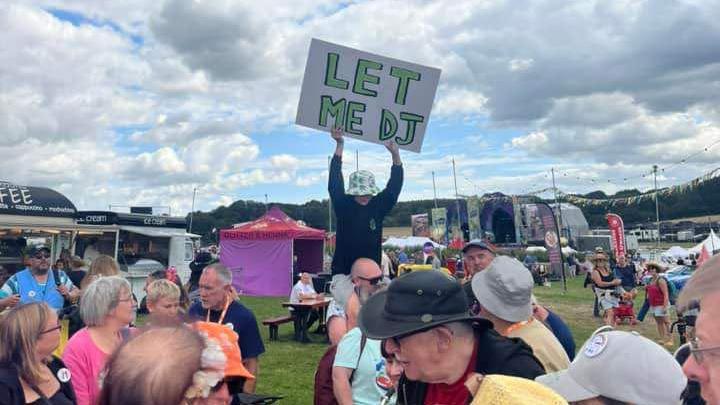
504,289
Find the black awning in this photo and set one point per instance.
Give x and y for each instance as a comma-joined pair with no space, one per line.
34,201
120,218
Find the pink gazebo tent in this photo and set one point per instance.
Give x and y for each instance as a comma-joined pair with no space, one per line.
260,253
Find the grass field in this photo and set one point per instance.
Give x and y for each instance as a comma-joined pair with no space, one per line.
287,368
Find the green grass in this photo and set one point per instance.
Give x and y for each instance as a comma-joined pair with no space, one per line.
287,368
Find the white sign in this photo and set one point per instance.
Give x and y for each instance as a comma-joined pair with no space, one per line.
373,98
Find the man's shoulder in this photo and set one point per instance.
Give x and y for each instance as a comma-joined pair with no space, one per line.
497,352
238,311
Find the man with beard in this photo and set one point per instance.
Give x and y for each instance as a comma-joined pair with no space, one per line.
359,372
38,283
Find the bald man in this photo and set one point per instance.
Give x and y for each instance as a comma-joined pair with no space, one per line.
366,278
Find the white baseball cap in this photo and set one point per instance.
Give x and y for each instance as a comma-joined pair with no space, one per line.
623,366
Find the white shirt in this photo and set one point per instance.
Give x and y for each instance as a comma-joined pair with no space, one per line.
301,288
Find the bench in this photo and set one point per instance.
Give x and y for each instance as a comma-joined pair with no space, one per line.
273,324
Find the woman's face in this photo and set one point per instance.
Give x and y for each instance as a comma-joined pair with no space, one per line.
165,307
49,338
125,309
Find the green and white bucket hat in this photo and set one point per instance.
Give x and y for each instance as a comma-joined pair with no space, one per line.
362,182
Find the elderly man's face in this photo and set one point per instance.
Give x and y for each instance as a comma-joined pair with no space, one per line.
212,291
305,278
477,259
622,261
417,354
707,372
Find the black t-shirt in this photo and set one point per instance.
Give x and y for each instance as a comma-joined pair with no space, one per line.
243,323
359,227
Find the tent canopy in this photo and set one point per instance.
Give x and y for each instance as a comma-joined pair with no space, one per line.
677,252
411,241
711,243
260,253
274,225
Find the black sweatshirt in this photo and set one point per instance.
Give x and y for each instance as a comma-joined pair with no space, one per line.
359,228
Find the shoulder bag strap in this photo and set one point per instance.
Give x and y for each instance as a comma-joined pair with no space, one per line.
363,340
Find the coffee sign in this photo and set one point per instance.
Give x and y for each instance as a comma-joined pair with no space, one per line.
34,201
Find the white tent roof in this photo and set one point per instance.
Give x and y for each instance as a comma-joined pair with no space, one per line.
712,243
567,250
676,252
411,241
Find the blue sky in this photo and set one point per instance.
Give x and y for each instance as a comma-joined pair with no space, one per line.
141,102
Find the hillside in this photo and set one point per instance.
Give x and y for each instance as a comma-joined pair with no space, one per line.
700,201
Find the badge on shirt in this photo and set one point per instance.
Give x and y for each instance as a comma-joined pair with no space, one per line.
373,226
31,294
63,375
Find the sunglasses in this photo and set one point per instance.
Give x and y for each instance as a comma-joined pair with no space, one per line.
41,255
372,281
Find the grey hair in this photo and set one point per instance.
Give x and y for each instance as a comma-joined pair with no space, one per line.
100,298
222,272
462,329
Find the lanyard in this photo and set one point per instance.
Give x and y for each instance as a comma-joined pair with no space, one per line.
222,314
517,326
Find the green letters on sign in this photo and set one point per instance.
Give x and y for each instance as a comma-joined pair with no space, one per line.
351,120
404,76
327,107
412,121
362,77
331,72
388,125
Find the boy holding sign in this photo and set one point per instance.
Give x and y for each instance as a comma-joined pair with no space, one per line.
360,212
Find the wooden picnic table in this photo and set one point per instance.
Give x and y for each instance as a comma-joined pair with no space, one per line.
300,315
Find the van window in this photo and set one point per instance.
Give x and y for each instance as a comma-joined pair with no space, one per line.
189,252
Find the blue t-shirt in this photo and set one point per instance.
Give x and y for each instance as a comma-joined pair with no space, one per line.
243,323
562,333
627,276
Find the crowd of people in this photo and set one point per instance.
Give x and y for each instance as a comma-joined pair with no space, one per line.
426,337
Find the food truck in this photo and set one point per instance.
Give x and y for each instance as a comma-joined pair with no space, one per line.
140,243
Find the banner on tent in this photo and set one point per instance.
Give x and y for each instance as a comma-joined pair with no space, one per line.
373,98
420,225
617,234
439,224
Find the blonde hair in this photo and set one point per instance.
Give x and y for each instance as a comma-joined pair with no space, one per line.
20,329
160,289
705,280
102,266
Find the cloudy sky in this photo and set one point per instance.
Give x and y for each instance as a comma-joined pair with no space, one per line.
140,102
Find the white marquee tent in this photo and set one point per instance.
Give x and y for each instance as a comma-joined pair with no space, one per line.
711,243
410,241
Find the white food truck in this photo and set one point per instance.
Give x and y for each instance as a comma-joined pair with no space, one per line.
140,243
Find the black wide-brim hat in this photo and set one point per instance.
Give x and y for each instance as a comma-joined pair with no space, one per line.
414,302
